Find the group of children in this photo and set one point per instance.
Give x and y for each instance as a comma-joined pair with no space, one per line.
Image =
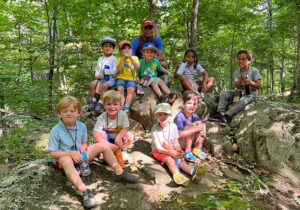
173,143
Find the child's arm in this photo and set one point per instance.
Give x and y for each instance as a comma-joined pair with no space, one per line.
83,147
177,147
121,64
243,80
118,139
190,131
165,71
75,155
204,82
134,63
101,137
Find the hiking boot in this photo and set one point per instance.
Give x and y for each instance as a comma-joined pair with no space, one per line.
88,199
215,116
98,107
225,120
92,105
126,177
180,179
200,171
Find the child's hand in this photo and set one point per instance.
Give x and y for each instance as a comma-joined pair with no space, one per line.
98,77
75,155
242,76
119,142
247,81
178,64
173,153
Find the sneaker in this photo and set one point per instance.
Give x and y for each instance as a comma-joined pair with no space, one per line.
180,179
88,199
139,90
188,156
92,105
125,108
163,98
126,177
225,120
200,171
99,107
198,153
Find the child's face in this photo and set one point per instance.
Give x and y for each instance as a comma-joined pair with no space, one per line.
162,117
243,61
149,54
69,115
191,105
112,107
190,58
108,48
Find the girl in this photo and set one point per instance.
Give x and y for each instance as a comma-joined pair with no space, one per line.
192,75
166,149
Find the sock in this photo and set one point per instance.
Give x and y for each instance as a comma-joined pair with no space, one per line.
94,99
100,101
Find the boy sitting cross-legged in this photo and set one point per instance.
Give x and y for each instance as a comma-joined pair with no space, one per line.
166,149
111,126
148,69
191,129
69,138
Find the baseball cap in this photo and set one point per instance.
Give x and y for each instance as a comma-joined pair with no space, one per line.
163,107
124,42
149,46
147,22
109,40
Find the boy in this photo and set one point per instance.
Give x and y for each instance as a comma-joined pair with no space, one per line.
127,65
105,74
149,68
191,129
111,126
69,138
247,82
166,149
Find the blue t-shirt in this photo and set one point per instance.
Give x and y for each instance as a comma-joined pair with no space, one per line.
182,121
62,137
135,45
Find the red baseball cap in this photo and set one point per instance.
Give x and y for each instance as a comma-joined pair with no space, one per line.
147,22
123,43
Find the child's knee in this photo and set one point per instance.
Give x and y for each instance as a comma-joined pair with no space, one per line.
105,86
65,161
128,137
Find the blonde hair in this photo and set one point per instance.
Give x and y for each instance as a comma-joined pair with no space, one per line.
112,95
65,102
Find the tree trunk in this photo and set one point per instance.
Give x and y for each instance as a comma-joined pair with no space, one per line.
31,61
282,74
271,60
194,24
151,11
296,81
68,24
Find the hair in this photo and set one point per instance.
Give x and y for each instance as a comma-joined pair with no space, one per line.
108,43
195,54
248,53
112,95
188,95
65,102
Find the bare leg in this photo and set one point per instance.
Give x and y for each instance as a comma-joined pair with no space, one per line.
186,167
164,88
104,88
128,139
121,90
93,88
185,83
130,94
155,88
171,165
98,88
68,166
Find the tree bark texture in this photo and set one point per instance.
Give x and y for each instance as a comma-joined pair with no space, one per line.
194,24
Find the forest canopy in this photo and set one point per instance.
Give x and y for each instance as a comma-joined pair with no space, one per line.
50,48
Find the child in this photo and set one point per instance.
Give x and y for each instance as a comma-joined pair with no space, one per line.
166,149
69,138
189,71
127,66
111,126
105,74
191,129
149,68
247,81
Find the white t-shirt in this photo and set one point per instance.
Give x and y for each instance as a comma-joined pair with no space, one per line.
110,63
112,127
190,71
160,135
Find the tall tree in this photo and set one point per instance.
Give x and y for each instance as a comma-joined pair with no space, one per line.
194,19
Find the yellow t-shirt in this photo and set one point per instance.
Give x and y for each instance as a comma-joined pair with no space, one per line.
126,72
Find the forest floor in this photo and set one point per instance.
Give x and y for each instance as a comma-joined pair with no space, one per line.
225,185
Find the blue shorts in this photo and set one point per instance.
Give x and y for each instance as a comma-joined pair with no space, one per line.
109,139
126,83
111,82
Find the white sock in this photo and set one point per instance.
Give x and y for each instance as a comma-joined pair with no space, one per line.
100,101
94,99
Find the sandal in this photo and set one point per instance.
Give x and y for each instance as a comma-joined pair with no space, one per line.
200,171
188,156
180,179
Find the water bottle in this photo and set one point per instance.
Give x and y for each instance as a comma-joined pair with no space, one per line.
118,154
177,162
181,68
106,76
166,80
84,165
